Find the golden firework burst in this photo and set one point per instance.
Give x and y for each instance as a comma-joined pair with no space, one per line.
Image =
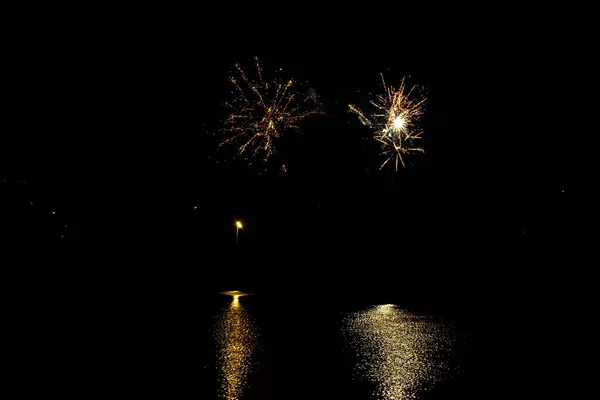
261,112
395,122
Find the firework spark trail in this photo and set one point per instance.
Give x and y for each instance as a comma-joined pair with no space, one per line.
262,112
395,121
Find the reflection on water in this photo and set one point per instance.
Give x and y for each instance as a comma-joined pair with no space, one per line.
401,354
236,336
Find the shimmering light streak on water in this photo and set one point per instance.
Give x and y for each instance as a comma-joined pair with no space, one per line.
401,354
236,335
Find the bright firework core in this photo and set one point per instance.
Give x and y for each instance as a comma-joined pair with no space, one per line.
399,122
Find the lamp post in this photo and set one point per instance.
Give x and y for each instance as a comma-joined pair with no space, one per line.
238,226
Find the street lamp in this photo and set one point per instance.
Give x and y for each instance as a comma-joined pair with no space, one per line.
238,226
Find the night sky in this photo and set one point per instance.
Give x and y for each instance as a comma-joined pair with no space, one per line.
123,149
113,132
117,204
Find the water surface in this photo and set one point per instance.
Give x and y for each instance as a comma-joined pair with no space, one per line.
266,348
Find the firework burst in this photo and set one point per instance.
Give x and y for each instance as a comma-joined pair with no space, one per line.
395,121
262,112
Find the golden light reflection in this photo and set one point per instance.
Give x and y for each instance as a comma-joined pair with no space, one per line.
400,354
235,293
236,335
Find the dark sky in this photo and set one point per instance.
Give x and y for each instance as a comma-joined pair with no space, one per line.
119,139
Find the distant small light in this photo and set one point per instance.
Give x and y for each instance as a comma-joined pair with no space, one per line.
195,207
281,69
238,224
563,190
65,226
53,212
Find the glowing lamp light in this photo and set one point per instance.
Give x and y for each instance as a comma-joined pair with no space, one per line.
238,226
